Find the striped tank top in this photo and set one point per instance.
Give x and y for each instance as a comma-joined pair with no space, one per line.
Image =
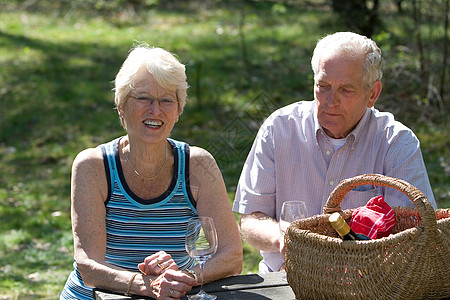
136,227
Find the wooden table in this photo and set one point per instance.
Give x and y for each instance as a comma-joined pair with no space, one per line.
248,287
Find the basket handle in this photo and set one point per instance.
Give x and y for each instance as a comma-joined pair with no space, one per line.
426,210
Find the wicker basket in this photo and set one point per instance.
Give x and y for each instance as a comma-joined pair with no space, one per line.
412,263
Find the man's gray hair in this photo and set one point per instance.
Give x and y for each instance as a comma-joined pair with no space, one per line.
354,45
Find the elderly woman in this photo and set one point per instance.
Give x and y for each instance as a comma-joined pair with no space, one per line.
132,197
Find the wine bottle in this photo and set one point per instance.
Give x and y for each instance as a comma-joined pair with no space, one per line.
344,230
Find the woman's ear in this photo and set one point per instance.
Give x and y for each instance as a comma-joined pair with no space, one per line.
119,110
121,117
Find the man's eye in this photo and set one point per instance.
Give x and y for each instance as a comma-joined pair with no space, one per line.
348,91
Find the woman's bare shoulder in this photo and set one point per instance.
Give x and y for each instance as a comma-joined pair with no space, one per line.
201,158
199,153
203,166
89,177
90,158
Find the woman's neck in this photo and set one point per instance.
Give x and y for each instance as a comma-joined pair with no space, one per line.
147,161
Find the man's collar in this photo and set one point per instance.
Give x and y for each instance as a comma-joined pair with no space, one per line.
317,126
361,124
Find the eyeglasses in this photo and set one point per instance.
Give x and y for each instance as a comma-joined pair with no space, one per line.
165,102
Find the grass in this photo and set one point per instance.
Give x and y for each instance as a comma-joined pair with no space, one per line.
56,70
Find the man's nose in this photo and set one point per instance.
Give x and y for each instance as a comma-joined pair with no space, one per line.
333,98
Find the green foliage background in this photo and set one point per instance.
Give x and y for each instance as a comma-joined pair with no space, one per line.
244,59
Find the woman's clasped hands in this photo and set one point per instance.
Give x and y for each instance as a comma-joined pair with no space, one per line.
170,282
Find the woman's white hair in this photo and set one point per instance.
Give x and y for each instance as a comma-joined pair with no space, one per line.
165,68
354,45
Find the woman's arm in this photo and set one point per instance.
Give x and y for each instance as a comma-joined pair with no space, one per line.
210,193
88,193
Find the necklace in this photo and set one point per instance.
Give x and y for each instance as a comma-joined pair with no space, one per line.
153,177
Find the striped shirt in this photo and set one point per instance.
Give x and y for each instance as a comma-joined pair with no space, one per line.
293,159
136,227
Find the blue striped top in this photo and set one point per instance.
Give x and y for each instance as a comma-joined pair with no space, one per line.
136,227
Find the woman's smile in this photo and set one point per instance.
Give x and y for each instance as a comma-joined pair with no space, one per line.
154,124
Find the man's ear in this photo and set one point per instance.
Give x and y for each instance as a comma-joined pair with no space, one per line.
375,92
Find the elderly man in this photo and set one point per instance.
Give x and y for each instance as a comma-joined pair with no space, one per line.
303,150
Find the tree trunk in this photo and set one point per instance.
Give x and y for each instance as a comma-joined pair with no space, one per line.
422,64
445,52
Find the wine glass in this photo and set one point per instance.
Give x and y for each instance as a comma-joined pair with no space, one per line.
291,211
201,244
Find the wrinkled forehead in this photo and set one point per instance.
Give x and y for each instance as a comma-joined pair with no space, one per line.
339,62
350,55
146,84
142,76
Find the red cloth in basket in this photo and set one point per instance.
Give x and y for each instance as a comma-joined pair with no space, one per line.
375,219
